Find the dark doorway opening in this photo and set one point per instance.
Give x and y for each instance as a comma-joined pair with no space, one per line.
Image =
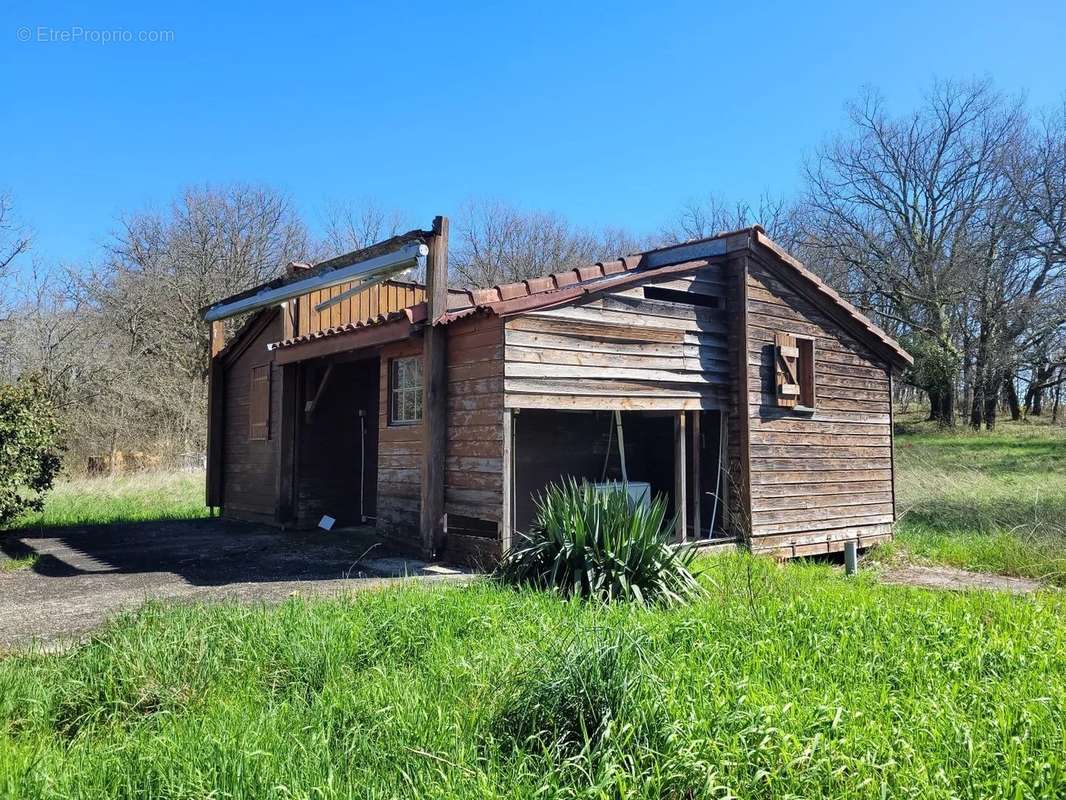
336,472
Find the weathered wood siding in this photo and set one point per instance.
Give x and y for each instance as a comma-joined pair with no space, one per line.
361,306
249,466
817,479
399,458
622,350
473,477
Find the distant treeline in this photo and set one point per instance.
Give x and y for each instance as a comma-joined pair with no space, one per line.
947,224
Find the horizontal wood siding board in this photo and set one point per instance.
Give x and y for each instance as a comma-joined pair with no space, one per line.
249,465
612,403
812,500
473,474
818,478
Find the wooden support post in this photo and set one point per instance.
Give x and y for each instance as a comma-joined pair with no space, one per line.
680,501
218,337
215,421
288,319
285,452
312,404
506,520
215,434
695,485
434,392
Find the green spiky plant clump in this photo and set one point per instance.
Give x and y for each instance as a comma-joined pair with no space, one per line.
595,544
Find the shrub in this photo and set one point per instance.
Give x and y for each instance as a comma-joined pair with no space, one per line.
29,448
594,544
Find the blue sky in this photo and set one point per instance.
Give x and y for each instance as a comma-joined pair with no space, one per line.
612,114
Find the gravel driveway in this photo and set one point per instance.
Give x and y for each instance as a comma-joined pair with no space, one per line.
82,576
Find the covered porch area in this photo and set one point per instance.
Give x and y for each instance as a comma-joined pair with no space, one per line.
680,456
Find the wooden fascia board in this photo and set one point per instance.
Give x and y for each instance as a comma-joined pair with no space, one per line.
329,345
246,336
827,306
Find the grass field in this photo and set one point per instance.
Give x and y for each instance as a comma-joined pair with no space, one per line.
789,682
994,502
130,498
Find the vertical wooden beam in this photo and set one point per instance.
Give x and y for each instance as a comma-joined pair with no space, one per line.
696,485
680,501
218,337
892,445
215,433
215,421
434,393
285,448
288,319
506,515
743,401
437,270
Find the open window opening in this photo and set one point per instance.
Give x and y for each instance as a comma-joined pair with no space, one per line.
679,296
639,449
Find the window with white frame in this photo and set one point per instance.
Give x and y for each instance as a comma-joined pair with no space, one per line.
405,391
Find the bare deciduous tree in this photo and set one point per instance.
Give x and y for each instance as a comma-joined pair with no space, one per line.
353,226
14,240
699,219
494,242
893,204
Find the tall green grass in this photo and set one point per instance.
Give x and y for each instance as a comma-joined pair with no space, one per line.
137,497
786,682
990,501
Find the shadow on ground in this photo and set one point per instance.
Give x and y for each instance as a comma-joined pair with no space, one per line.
206,552
84,574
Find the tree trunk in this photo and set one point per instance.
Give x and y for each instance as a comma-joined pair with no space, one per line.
942,405
992,391
1011,392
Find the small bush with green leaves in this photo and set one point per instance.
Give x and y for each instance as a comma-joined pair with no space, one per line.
29,448
595,544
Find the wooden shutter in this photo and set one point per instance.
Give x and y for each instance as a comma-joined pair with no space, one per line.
259,404
786,370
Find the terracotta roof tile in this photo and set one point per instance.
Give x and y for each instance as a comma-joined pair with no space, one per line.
546,291
565,278
541,284
509,291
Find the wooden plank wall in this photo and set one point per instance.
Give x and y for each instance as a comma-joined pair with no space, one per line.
473,474
399,459
817,479
364,305
473,478
738,509
249,467
622,351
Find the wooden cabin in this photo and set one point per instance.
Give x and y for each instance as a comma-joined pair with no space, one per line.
719,373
